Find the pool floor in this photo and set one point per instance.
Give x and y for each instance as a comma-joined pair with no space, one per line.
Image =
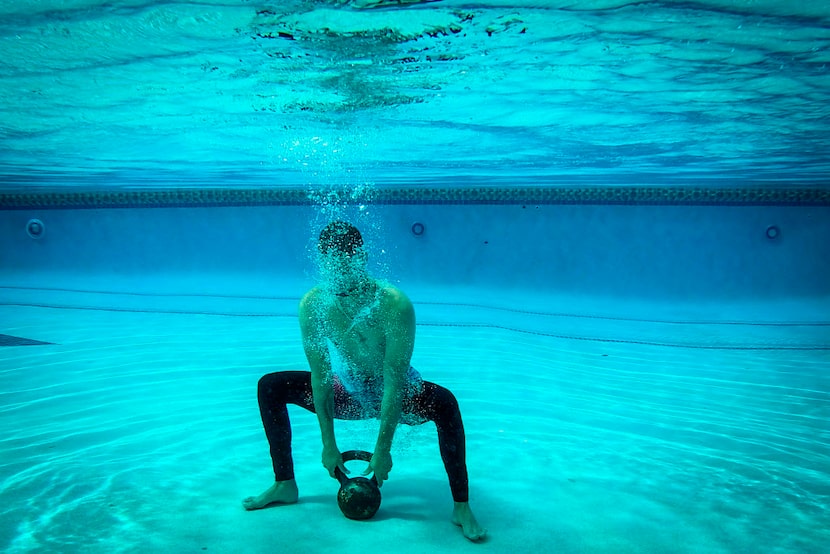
137,429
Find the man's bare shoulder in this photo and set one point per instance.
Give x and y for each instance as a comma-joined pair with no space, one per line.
311,300
394,299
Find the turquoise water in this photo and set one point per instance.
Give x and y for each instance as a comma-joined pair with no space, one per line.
633,378
587,430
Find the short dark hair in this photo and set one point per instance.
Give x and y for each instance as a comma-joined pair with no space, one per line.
340,236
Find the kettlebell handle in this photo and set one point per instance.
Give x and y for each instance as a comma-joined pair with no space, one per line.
348,456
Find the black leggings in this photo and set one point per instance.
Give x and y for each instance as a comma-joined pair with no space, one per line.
435,403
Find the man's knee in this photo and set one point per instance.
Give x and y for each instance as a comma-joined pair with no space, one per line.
267,382
274,385
449,401
445,402
293,387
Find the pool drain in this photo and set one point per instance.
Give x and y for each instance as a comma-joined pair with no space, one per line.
35,228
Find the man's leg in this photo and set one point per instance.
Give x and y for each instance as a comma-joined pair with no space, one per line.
274,392
438,404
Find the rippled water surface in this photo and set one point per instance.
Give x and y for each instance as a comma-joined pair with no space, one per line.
281,93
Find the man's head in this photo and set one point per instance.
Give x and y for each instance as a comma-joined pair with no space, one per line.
340,237
342,256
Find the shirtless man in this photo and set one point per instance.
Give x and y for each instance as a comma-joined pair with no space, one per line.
371,325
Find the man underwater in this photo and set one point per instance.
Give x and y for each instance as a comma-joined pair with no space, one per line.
371,325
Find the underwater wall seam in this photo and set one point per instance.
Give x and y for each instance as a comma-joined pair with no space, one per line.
631,195
707,333
600,337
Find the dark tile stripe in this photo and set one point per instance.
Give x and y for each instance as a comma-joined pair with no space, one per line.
633,195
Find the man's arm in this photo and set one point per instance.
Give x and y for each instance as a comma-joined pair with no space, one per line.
317,354
399,321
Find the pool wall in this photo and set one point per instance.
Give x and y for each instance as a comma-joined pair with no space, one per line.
653,250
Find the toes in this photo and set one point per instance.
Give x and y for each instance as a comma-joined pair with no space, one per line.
250,503
477,536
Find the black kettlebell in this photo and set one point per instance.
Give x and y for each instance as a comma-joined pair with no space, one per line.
358,497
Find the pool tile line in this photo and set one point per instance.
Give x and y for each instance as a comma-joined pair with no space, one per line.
811,348
437,305
151,294
623,195
442,305
459,325
159,311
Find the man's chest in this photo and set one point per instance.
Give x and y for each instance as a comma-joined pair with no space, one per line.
358,338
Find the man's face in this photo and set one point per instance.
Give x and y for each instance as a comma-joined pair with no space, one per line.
341,269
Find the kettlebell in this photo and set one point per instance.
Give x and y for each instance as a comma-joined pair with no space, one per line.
358,497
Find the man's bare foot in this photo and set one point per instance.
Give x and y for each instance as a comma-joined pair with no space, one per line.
464,518
281,492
